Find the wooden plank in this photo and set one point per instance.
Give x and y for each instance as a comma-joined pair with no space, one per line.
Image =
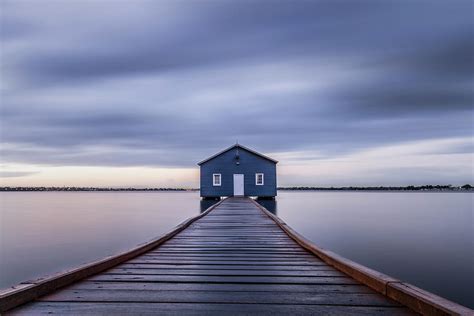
232,249
234,239
224,272
230,257
232,262
235,252
223,287
249,255
232,245
244,267
235,225
218,297
233,236
77,308
236,234
231,252
246,238
223,279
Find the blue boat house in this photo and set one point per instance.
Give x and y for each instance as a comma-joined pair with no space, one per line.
238,171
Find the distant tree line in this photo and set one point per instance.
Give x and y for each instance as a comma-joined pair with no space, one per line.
466,187
383,188
89,189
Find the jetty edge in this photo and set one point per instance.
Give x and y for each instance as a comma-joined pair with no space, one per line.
29,290
416,299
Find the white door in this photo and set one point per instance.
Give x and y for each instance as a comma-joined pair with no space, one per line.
238,184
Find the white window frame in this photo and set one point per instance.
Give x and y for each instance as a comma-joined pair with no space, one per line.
214,182
256,178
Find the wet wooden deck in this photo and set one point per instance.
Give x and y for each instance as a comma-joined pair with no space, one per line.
234,260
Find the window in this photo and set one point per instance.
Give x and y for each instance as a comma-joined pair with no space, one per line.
259,179
216,179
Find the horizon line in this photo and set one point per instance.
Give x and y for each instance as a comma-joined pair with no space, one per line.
466,186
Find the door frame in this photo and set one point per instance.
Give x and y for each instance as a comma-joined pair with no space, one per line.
243,184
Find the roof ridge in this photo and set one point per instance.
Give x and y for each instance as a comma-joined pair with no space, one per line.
239,146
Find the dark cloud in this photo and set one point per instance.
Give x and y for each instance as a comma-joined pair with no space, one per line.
161,83
204,33
426,81
453,58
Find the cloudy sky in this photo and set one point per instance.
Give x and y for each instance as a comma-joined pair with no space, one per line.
134,93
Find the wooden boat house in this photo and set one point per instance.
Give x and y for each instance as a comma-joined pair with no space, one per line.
238,171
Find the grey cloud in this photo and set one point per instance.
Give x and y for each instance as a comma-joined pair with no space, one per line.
210,33
453,58
15,174
422,82
372,73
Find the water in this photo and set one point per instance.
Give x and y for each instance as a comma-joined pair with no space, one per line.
47,232
423,238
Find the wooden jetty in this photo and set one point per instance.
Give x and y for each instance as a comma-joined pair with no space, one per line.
235,258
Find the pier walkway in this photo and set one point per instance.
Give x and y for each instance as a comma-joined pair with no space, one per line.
234,259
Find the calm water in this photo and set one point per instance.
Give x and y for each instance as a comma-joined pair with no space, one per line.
423,238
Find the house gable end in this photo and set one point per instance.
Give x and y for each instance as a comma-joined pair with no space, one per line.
239,147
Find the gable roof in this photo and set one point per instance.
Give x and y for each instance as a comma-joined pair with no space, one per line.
241,147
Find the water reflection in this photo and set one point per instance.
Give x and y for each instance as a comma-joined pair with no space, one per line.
45,226
205,204
410,236
270,205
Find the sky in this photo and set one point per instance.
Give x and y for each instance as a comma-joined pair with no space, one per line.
135,93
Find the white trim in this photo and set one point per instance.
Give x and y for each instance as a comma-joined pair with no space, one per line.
256,178
214,182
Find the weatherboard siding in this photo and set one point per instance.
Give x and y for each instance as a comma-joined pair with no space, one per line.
250,164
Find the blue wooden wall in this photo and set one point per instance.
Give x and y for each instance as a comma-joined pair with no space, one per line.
250,164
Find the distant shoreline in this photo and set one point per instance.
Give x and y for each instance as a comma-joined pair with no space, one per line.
424,188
